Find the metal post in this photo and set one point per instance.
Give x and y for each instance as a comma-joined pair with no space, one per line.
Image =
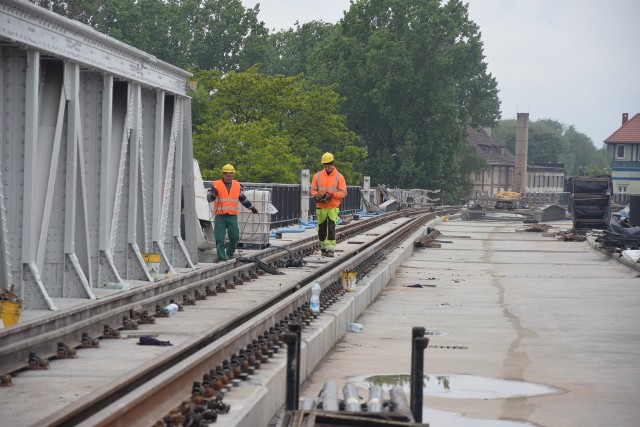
291,339
366,190
305,188
417,377
416,332
296,328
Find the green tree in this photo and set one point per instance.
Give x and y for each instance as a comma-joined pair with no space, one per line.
270,127
226,36
413,75
292,48
192,34
546,142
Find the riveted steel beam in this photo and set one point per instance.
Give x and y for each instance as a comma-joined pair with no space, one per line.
94,155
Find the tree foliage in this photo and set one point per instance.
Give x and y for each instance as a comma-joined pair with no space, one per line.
270,127
192,34
414,76
292,48
398,80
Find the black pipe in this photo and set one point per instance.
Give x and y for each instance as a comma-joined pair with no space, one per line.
296,328
291,339
417,376
416,332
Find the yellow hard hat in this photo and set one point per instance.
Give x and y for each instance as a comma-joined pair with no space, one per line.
228,168
327,158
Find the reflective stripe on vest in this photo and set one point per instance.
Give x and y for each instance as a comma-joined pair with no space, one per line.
227,200
333,189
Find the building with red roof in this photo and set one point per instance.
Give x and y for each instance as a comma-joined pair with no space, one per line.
623,150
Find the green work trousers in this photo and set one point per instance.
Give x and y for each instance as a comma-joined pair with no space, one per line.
327,220
221,225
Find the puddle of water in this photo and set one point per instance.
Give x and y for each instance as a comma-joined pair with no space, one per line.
453,419
459,386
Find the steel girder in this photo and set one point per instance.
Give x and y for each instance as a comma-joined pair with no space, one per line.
94,160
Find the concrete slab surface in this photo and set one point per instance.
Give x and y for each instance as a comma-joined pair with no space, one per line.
502,304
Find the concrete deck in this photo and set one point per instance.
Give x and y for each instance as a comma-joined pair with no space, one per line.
506,305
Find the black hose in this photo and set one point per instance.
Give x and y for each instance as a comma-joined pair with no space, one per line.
262,265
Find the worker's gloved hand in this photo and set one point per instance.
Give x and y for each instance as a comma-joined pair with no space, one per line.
254,209
212,193
328,196
318,197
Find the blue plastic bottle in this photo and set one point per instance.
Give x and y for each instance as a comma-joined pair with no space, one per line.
314,304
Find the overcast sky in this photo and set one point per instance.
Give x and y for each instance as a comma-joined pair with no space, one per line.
574,61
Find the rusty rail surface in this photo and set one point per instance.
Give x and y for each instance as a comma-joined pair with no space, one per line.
209,350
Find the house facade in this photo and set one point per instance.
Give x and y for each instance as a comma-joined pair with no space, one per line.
500,164
540,178
545,178
623,151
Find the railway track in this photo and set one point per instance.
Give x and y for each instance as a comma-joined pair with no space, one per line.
148,392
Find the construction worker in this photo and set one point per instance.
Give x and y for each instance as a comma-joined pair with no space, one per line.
225,194
327,188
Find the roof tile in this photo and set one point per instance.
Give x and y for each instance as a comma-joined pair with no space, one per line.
628,132
494,153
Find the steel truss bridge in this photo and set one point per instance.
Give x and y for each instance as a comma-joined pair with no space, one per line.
96,162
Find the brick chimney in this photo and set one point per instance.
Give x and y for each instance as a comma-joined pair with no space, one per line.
625,118
522,144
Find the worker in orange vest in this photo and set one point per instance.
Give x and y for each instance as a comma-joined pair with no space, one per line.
327,188
225,194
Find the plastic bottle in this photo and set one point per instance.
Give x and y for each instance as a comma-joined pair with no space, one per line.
172,308
355,327
314,304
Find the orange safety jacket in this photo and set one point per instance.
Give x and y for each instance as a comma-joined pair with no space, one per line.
333,183
227,201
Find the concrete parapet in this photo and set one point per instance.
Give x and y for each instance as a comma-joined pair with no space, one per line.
264,394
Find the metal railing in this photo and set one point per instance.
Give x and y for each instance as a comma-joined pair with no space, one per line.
286,199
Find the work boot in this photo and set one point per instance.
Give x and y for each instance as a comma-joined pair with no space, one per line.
329,254
323,252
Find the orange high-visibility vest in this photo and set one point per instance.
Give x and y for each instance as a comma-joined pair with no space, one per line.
334,184
227,201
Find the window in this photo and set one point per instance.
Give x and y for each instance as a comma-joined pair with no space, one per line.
622,188
620,151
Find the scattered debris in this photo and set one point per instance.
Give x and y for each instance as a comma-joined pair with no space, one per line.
10,295
538,228
568,236
149,340
427,240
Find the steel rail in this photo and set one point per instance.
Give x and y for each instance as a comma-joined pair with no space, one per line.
153,390
41,336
